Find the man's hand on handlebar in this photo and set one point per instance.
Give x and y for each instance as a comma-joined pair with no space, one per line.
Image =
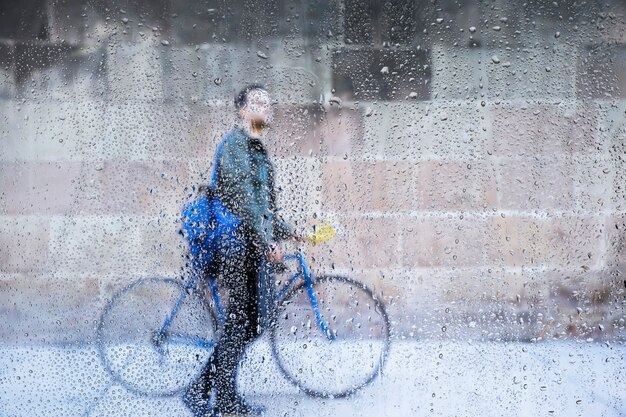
274,251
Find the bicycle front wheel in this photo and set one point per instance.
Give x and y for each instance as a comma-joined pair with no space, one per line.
336,362
141,357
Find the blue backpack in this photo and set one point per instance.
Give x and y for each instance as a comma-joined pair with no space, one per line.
211,230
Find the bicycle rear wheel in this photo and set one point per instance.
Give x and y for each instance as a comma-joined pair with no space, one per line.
326,368
137,355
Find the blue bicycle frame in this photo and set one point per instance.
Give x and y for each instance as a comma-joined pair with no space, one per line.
301,272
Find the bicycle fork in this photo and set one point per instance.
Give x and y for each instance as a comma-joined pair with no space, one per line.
162,333
309,281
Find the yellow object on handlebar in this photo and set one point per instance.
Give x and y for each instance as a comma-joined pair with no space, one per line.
321,233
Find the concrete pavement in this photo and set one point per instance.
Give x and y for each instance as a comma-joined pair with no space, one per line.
432,378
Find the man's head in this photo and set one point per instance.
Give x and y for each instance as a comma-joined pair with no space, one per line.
254,107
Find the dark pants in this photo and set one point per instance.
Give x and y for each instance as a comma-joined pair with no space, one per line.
239,275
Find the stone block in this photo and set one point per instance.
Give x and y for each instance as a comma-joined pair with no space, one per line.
155,187
96,244
443,240
293,79
316,131
364,242
456,185
48,188
188,73
543,72
135,71
369,185
441,129
50,130
24,244
529,129
297,131
615,240
568,242
593,180
7,78
601,72
458,72
358,74
73,75
162,248
536,183
298,188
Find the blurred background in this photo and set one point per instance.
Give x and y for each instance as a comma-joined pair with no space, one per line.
472,154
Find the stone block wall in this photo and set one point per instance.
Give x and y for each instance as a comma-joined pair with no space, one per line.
490,204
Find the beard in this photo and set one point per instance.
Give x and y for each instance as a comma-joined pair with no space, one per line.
256,128
258,124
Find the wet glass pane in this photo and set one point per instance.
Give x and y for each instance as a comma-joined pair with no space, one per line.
312,208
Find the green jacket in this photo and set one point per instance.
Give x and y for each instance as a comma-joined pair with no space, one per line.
243,179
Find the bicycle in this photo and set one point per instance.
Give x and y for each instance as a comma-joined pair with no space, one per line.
323,326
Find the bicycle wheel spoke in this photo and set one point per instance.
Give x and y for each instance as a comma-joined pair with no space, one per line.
139,352
337,365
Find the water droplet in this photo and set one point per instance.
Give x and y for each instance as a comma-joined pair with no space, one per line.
497,28
412,94
384,70
334,100
124,20
217,81
557,34
164,42
495,59
472,29
261,55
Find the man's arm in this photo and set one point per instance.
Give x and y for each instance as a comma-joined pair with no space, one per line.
282,229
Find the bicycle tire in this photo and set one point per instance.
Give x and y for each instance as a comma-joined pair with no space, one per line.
288,350
126,332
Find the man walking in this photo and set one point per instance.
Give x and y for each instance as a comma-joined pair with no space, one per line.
243,182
